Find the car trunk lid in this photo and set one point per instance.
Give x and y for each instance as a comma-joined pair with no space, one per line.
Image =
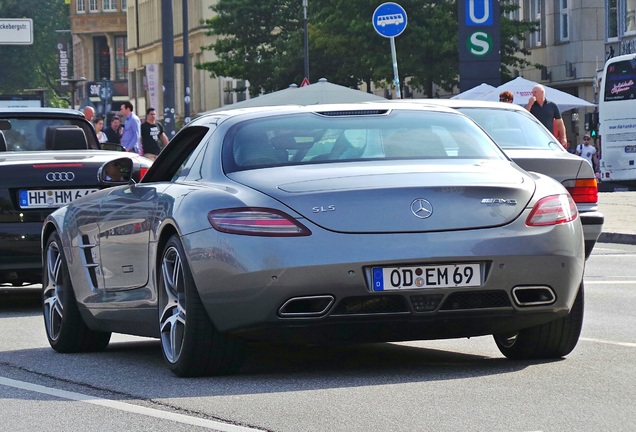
389,198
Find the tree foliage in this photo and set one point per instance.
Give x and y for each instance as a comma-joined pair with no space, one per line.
263,42
33,66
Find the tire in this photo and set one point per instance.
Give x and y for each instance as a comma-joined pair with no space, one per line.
190,343
552,340
65,329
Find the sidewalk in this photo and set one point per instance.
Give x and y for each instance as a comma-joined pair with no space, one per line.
619,209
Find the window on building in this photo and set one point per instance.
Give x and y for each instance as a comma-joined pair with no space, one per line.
121,62
123,5
535,15
81,6
234,90
564,22
630,16
92,5
101,58
109,5
612,19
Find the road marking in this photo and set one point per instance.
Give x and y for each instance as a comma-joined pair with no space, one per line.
623,344
122,406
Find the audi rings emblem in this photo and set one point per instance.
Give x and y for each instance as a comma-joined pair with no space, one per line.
60,176
421,208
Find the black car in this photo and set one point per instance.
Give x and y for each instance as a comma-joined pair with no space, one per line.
48,158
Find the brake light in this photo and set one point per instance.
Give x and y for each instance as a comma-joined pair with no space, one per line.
256,222
583,190
142,172
553,210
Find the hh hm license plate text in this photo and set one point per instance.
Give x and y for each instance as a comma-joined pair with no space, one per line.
420,277
51,198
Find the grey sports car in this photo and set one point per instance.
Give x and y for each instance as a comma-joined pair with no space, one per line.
319,224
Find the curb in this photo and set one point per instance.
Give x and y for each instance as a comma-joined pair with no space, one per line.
621,238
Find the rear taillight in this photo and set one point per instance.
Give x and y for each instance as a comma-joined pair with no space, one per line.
142,172
583,190
257,222
552,210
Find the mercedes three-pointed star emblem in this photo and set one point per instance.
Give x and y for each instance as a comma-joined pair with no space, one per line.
421,208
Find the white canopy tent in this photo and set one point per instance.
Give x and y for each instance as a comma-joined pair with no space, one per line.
521,89
322,92
475,93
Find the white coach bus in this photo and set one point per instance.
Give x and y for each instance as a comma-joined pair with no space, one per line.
617,118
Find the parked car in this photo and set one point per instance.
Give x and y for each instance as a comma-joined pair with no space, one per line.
319,224
527,142
48,158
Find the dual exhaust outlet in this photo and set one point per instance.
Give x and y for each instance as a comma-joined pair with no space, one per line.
316,306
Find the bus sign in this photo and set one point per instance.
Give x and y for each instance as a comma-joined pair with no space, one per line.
389,19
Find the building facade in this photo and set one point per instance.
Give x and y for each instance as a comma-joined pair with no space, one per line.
99,38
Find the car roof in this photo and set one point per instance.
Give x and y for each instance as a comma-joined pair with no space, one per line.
465,103
40,113
252,112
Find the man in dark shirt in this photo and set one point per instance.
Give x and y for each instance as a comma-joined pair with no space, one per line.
113,133
547,113
153,138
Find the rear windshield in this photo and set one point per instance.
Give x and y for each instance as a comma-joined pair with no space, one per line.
37,134
512,129
310,138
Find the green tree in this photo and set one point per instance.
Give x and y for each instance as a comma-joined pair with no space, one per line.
33,66
262,42
257,41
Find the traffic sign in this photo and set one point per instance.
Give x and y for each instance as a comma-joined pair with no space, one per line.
305,82
16,31
389,19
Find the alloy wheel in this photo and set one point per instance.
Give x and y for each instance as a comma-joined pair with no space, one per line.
53,293
172,321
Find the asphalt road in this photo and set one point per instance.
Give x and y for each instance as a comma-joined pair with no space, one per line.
424,386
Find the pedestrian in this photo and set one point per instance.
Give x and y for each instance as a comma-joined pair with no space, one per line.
506,96
113,133
89,112
588,152
547,113
98,124
153,138
131,137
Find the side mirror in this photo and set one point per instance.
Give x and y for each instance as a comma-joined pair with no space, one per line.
116,172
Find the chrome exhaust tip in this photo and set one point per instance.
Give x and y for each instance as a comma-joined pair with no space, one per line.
310,306
533,295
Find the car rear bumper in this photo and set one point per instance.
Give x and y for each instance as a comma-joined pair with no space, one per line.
20,259
592,227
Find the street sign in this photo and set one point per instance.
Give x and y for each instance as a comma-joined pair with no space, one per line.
16,31
389,19
479,43
305,83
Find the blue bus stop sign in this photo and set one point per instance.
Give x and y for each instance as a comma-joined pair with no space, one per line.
389,19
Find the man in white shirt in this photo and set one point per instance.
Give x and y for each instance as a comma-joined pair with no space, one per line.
588,152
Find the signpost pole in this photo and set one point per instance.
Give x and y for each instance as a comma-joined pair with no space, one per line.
396,75
389,20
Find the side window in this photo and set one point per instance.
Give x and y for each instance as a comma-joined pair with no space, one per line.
176,158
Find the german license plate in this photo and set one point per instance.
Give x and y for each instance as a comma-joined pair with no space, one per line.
52,198
432,276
